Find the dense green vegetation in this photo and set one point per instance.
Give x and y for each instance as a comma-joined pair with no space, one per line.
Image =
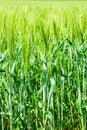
43,66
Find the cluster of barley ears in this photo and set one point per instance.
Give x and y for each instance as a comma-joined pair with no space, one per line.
43,68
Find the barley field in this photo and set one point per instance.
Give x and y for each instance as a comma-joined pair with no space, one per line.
43,65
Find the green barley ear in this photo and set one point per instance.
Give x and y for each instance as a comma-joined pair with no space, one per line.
44,36
55,30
